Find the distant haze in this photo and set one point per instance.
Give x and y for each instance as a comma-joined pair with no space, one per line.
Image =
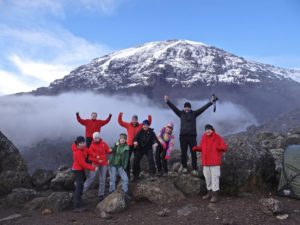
26,120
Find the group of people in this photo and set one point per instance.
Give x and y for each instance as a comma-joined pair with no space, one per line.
90,153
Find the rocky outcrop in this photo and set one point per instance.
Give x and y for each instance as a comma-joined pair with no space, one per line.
159,191
13,169
113,203
64,179
58,201
41,178
190,185
20,196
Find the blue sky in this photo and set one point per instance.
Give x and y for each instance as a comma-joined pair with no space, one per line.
42,40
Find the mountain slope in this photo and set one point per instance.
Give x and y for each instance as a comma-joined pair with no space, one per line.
185,68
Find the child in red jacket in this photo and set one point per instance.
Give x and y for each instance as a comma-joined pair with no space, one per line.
78,167
212,147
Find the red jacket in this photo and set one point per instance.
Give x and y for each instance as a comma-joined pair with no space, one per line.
132,130
99,149
92,126
212,147
79,157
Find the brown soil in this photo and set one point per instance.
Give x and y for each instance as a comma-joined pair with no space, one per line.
229,211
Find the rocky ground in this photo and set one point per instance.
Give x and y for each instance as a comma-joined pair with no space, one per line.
193,210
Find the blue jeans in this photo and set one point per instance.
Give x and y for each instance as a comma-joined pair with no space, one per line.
113,170
102,177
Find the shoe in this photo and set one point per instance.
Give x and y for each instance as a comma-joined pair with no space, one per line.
214,197
152,177
101,197
165,174
207,196
184,170
195,173
79,209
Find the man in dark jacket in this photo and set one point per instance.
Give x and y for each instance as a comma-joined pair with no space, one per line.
188,131
144,141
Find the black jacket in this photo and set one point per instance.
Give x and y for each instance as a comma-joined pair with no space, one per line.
188,120
145,139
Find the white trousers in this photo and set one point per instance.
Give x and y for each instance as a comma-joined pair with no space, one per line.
212,175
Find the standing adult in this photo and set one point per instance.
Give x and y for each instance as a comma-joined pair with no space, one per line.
212,147
144,141
132,127
92,125
188,131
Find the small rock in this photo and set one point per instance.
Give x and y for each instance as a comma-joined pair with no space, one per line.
271,206
164,212
58,201
282,216
19,196
46,212
113,203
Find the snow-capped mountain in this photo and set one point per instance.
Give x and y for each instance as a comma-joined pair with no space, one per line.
184,68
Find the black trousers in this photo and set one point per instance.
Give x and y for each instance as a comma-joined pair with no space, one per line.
185,143
137,159
160,158
89,141
131,150
79,179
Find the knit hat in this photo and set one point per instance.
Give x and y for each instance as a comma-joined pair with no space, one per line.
146,122
209,127
96,135
79,139
123,135
170,124
135,117
187,105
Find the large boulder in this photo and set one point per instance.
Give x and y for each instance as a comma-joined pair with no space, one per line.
189,184
13,169
41,178
159,191
247,166
113,203
20,196
58,201
64,180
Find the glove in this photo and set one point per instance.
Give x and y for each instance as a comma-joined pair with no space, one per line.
77,114
214,98
110,115
167,157
195,148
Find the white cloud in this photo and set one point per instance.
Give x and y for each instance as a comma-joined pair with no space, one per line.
10,82
44,55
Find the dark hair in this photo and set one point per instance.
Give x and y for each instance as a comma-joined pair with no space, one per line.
209,127
79,139
187,105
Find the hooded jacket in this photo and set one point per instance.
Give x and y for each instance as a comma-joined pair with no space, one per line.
212,148
79,157
188,120
145,139
99,149
131,128
120,155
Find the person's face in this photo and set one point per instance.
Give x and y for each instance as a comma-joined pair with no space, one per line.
169,130
208,132
81,145
145,126
122,140
187,109
97,139
134,120
94,116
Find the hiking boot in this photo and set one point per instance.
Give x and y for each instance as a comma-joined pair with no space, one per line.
207,196
184,170
194,173
165,174
79,209
214,197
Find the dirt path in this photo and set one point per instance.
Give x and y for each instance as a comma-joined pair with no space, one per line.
229,211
